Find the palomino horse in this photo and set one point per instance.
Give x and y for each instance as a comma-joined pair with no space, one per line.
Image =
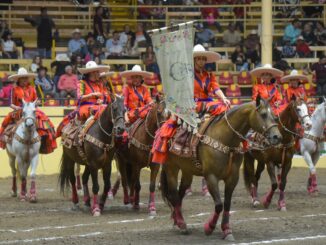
277,156
312,144
97,153
137,156
220,157
25,148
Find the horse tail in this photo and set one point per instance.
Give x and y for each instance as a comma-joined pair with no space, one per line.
248,170
66,171
165,186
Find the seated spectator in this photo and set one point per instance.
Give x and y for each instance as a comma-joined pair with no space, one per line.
68,84
254,56
250,44
96,51
61,61
77,44
113,45
288,51
308,34
319,69
303,49
142,38
90,41
5,91
292,31
210,15
36,63
44,85
231,37
123,39
238,58
143,12
320,33
4,28
204,35
9,49
149,60
77,62
131,47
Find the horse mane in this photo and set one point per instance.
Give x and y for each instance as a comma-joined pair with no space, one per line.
231,111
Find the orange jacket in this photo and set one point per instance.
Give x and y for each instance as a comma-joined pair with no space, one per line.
298,92
88,87
27,93
266,91
205,84
136,97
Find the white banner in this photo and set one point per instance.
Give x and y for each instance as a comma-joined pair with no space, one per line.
174,56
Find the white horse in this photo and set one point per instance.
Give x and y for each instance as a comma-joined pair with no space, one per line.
25,148
312,144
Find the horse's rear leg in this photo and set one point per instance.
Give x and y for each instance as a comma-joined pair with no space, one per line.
77,174
34,163
151,203
137,191
212,185
269,195
254,190
96,211
285,170
85,178
125,175
12,162
308,159
107,184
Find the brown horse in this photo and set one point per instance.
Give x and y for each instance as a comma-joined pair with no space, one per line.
137,156
220,156
278,156
98,154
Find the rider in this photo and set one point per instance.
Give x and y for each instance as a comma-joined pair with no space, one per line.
205,89
24,91
90,92
268,88
294,80
137,98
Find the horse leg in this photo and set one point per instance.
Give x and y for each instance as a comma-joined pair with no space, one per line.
96,211
285,170
77,174
123,165
186,180
113,191
137,191
269,195
34,163
259,170
12,161
308,159
230,184
23,173
213,187
151,203
204,188
85,177
315,158
107,184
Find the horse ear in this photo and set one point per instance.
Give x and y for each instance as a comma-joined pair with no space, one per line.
258,101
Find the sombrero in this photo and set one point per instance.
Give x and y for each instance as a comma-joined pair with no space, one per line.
22,72
257,72
91,66
107,74
211,56
136,70
294,75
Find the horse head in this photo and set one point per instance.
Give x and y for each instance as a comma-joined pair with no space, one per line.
301,111
29,114
264,122
117,112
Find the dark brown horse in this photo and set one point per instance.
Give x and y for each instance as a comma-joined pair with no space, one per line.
279,156
220,157
137,156
98,148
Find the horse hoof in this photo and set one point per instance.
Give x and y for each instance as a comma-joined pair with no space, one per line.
110,195
265,203
96,213
229,237
14,194
189,192
183,229
206,194
33,199
75,207
208,229
282,209
152,213
255,203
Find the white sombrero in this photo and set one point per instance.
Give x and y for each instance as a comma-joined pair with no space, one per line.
91,66
211,56
257,72
136,70
22,72
294,75
107,74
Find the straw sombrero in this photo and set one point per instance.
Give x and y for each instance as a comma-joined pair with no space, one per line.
211,56
136,70
91,66
257,72
294,75
22,72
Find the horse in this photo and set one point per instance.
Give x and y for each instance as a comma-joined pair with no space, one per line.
137,156
219,157
277,156
96,153
312,144
25,148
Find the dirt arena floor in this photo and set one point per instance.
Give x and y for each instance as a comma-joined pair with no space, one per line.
51,220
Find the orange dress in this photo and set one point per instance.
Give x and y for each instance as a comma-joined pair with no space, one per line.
136,100
298,92
45,127
205,84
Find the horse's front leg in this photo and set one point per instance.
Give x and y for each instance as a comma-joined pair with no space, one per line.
96,211
151,203
34,163
285,170
23,166
12,162
267,199
308,159
107,184
85,178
